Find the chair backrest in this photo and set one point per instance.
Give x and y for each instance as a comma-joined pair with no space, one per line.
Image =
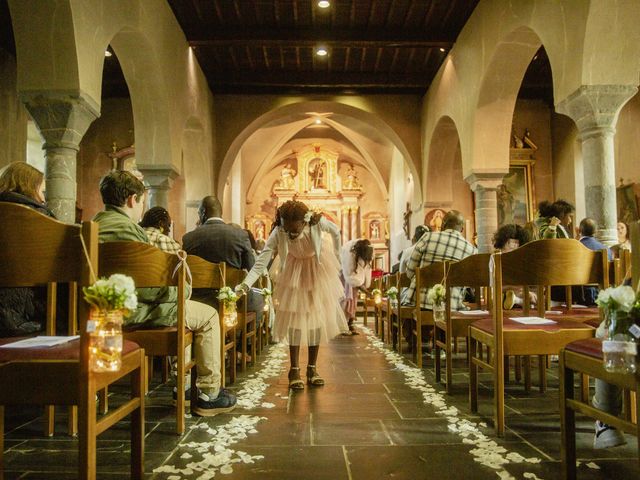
555,262
147,265
205,274
427,277
470,271
403,281
36,249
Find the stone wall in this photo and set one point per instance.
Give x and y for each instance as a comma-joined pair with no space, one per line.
13,116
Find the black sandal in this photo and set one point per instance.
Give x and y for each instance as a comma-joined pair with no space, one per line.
295,382
313,378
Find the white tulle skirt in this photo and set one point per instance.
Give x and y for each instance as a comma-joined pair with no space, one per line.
307,296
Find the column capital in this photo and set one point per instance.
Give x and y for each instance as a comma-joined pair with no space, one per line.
159,176
596,106
62,118
485,180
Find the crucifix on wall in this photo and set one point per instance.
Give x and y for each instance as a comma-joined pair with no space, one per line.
406,221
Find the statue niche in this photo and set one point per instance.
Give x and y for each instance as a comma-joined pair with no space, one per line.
351,181
287,178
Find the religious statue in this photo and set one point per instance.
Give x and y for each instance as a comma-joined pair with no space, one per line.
375,230
287,175
317,175
527,140
259,231
436,220
351,182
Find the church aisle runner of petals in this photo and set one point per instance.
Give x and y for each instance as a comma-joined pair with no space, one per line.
217,455
484,450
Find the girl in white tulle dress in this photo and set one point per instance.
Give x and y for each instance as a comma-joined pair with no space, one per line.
307,289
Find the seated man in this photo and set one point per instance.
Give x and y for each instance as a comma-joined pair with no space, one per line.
434,247
123,198
587,231
217,241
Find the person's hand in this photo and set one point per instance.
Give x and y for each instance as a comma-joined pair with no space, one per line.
241,289
554,221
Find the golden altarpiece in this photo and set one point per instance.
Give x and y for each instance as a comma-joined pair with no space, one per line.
319,178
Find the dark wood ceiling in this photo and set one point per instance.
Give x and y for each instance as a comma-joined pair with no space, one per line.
256,46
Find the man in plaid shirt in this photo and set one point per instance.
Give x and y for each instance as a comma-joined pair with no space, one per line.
434,247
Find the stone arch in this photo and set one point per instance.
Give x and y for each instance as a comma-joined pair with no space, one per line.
497,98
444,154
302,108
196,170
149,99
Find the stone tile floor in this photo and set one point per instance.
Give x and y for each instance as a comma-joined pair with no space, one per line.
366,423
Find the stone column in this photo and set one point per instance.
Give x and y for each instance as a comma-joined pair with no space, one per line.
484,186
62,121
159,180
595,110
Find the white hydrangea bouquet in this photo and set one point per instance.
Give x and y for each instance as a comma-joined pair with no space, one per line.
621,308
392,294
118,292
436,295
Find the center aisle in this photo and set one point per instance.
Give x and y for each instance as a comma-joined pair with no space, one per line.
376,417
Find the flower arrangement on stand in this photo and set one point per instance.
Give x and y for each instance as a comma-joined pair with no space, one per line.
111,299
621,308
229,298
377,296
392,294
436,296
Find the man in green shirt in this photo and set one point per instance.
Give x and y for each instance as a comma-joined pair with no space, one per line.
123,198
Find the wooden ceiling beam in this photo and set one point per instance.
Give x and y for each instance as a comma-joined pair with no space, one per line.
305,37
319,79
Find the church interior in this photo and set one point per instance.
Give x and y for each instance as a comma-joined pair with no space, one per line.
382,115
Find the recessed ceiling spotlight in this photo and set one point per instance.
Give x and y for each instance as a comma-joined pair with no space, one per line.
318,121
107,53
322,52
442,49
324,4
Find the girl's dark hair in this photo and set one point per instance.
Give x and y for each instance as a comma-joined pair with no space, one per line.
293,211
419,232
557,209
508,232
157,217
363,251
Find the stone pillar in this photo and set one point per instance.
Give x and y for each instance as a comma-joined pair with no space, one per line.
62,121
159,180
484,186
595,109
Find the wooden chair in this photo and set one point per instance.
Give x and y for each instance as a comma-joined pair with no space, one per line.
473,270
585,357
543,262
401,312
151,267
209,275
247,321
369,304
389,280
37,250
426,277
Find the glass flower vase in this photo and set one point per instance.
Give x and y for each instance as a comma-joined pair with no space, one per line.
619,348
105,340
438,312
230,317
